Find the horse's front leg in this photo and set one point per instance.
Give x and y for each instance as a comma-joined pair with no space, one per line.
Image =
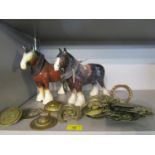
40,95
48,95
80,100
61,90
73,96
94,90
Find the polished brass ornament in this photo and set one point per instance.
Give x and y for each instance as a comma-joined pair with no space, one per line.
44,121
10,116
53,106
113,107
68,112
128,89
30,113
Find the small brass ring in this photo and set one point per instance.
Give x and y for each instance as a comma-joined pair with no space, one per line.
129,90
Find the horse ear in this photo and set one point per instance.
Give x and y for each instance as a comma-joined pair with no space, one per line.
24,47
60,50
65,49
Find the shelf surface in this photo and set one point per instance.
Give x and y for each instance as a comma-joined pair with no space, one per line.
93,126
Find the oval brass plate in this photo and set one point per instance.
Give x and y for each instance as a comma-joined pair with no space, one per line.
10,116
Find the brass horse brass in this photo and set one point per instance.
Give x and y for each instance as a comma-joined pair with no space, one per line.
10,116
128,89
53,106
44,121
68,112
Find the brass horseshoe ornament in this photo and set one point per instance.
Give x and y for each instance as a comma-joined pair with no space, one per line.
127,88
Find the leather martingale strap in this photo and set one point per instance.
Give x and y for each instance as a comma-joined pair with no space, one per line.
39,65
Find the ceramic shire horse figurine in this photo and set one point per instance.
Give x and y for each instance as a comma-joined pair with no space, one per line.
42,73
76,75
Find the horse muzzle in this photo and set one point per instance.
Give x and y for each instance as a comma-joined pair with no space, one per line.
23,66
56,68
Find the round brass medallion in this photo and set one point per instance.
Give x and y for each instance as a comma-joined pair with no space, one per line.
10,116
44,121
53,106
68,112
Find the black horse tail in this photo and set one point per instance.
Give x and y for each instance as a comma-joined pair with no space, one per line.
99,74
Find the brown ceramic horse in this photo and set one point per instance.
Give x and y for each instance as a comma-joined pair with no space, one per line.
77,75
42,73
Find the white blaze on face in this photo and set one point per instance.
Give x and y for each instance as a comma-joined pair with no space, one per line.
26,58
57,64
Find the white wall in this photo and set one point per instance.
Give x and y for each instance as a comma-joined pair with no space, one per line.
129,64
16,86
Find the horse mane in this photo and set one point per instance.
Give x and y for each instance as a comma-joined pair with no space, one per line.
72,62
71,56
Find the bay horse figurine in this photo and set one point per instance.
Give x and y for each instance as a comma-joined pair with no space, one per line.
77,75
42,73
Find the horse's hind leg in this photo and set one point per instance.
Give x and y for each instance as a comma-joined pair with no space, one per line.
103,89
40,95
94,90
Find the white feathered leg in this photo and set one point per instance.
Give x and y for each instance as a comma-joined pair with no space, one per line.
80,99
61,90
48,96
94,91
106,92
40,95
72,98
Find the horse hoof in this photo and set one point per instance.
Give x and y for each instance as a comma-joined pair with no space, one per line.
93,94
39,98
72,99
71,103
47,101
79,104
94,91
61,92
106,92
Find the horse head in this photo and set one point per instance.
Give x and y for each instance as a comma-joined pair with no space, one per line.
29,54
61,60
